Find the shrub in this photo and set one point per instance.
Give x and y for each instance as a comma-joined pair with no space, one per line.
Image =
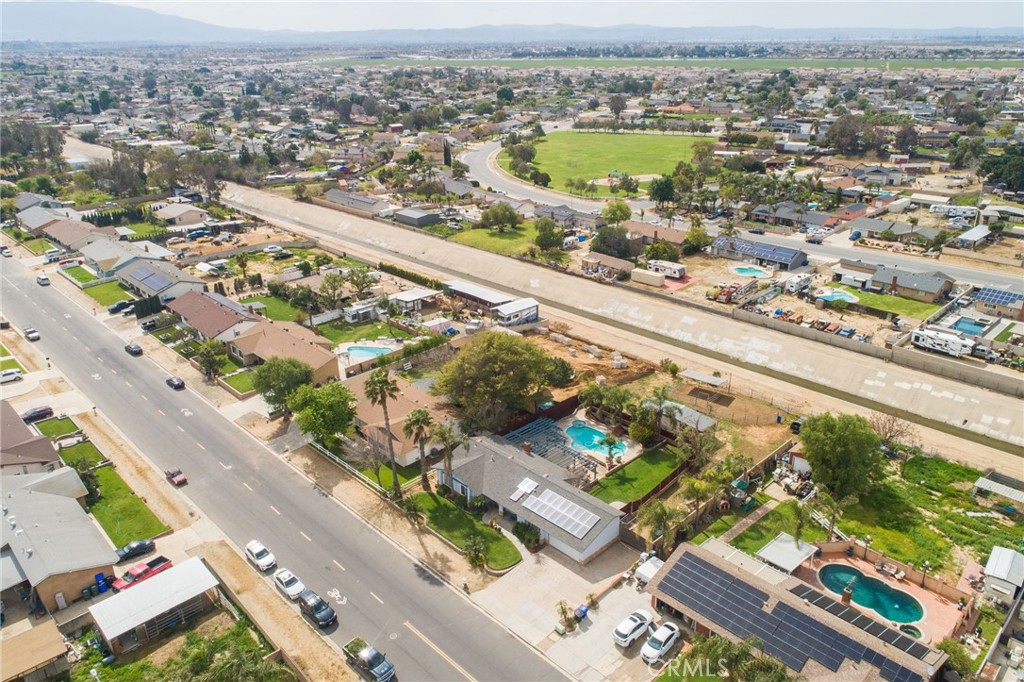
527,533
561,373
643,432
416,277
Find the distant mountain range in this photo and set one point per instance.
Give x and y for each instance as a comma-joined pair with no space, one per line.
97,22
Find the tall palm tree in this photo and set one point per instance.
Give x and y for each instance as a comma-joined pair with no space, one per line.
698,491
801,519
655,515
380,388
418,426
664,407
833,508
449,438
609,441
242,261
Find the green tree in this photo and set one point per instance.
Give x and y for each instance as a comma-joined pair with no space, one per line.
1007,167
380,388
662,190
210,357
832,508
560,373
448,437
844,453
612,241
697,239
698,491
418,425
501,216
360,279
492,377
617,104
505,94
662,250
332,290
87,472
549,233
278,378
609,441
242,261
698,445
323,412
657,518
959,658
616,212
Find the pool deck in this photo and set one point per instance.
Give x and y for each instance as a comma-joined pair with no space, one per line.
342,350
941,616
632,451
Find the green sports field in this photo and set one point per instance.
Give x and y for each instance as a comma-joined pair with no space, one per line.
593,156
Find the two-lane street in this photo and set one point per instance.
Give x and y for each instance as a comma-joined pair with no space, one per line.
428,629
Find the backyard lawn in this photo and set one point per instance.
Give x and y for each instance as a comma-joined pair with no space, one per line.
727,521
343,332
145,229
57,426
86,451
508,243
123,515
639,477
240,381
765,530
1004,336
276,309
11,363
459,526
108,293
892,304
81,274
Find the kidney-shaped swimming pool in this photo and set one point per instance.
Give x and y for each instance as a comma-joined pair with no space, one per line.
872,593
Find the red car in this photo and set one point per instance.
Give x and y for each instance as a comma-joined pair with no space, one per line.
176,477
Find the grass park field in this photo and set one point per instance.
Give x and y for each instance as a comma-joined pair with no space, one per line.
592,156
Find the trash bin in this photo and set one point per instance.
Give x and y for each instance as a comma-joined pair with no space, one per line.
102,586
94,589
109,580
86,594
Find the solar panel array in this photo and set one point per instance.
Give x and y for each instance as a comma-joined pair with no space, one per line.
756,249
525,487
151,279
788,634
564,513
997,296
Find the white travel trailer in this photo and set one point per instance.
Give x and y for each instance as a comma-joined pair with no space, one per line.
942,342
667,268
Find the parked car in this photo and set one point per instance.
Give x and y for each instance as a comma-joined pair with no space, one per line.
176,476
118,307
176,240
316,609
148,325
5,252
633,628
283,255
273,248
855,235
659,644
31,334
43,281
289,583
129,311
142,572
9,375
177,383
37,414
797,424
257,553
134,549
756,230
133,349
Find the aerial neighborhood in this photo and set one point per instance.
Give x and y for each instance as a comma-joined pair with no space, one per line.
510,359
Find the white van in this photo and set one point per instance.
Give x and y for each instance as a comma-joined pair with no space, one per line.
53,254
9,375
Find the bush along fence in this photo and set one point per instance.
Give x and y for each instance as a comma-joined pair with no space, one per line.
422,280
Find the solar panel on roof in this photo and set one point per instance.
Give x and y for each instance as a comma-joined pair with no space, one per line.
564,513
918,650
997,296
889,636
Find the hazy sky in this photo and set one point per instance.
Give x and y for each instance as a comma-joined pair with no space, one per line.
329,15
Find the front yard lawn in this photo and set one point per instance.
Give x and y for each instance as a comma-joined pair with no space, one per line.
343,332
81,274
765,530
11,363
459,526
508,243
38,245
86,451
228,366
405,474
896,305
3,351
240,381
639,477
108,293
276,309
122,513
57,427
169,335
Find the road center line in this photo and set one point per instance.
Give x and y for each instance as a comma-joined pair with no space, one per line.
143,396
113,371
247,486
439,652
275,510
201,446
376,597
128,384
223,465
179,428
162,413
309,539
338,565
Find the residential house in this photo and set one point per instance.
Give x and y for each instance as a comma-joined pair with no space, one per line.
106,257
157,278
357,202
881,176
530,489
852,211
213,316
34,219
38,653
417,218
23,450
26,200
569,217
758,253
1000,302
608,266
648,233
267,339
1004,575
48,539
904,233
793,214
369,418
713,588
72,235
182,214
929,287
458,188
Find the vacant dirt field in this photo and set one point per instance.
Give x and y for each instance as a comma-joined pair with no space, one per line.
586,365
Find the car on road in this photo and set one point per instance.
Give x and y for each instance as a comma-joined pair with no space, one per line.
177,383
273,248
289,583
176,240
176,476
134,549
756,230
6,252
43,281
37,414
636,625
133,349
660,643
316,609
257,553
30,333
9,375
119,306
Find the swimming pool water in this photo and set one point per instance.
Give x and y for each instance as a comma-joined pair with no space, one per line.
584,437
969,326
872,593
357,354
749,271
836,295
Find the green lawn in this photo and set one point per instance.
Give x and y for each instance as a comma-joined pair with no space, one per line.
405,474
81,274
88,197
86,451
639,477
276,309
726,521
765,530
1005,335
108,293
591,156
145,229
892,304
990,622
11,363
37,246
240,381
3,351
122,513
228,365
57,426
458,526
170,335
508,243
340,331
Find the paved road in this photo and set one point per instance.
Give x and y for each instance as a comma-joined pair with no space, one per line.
483,169
997,416
248,492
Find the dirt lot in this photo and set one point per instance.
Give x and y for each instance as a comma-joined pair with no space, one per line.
586,365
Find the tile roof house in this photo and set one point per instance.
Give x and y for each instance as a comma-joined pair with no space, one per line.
648,233
904,233
23,450
106,256
267,339
531,489
212,315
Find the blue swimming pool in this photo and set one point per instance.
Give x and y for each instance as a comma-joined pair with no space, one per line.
585,437
872,593
357,354
969,326
751,271
838,295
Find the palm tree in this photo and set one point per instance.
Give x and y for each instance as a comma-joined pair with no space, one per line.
728,229
655,515
449,438
664,407
801,518
380,388
698,491
609,441
242,261
833,508
417,426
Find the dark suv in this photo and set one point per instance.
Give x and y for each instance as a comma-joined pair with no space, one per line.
37,414
316,609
